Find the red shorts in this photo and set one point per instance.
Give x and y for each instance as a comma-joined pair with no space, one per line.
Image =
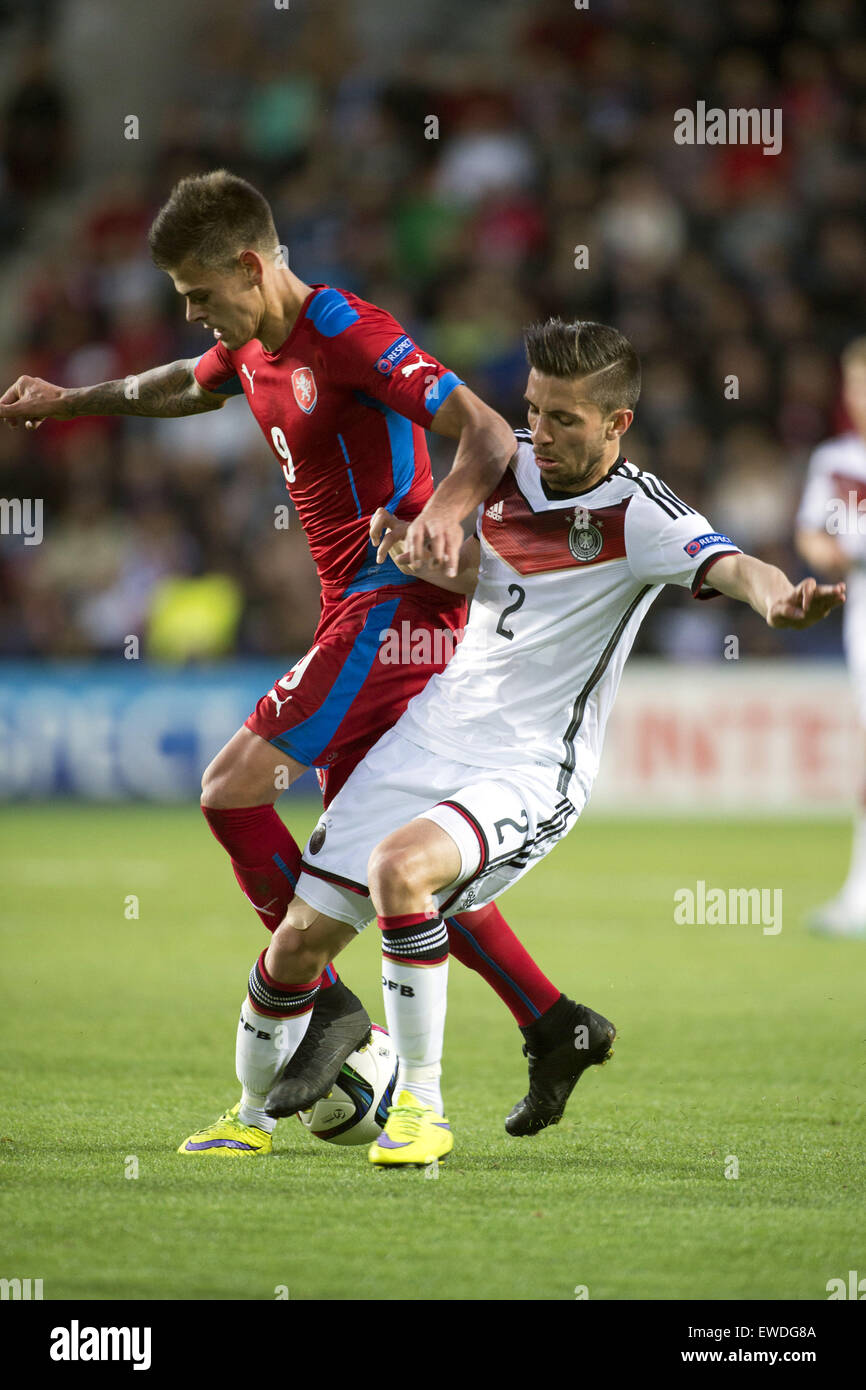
371,653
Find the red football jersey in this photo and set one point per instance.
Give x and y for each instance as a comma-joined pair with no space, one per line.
343,403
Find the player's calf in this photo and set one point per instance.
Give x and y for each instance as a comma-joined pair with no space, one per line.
404,872
305,942
245,773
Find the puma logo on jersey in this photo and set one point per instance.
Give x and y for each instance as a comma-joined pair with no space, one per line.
494,511
279,703
411,367
250,375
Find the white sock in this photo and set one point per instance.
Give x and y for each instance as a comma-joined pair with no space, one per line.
855,886
415,1001
264,1046
423,1082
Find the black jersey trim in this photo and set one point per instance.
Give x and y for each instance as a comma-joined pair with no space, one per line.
673,496
544,828
567,764
648,493
476,826
553,826
553,496
656,491
552,829
521,857
701,572
360,888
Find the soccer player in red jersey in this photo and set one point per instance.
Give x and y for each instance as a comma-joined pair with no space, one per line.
343,395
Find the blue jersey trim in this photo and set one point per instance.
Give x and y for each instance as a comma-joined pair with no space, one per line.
373,576
402,441
232,387
331,313
443,388
349,471
458,926
308,740
354,491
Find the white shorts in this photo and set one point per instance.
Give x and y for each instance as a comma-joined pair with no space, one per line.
502,821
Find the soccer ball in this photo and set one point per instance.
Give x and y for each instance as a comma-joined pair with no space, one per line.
357,1109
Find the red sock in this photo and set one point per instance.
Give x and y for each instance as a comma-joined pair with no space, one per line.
483,941
264,856
265,859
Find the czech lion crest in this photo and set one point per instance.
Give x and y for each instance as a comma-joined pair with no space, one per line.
304,387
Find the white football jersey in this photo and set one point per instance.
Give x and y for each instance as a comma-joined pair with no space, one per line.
563,587
834,500
835,486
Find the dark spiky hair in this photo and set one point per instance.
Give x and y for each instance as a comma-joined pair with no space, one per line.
593,351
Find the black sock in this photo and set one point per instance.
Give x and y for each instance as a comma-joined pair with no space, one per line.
338,999
546,1031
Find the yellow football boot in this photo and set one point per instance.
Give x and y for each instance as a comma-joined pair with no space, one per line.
228,1136
414,1135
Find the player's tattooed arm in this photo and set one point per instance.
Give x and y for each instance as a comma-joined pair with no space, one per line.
388,534
770,592
486,444
166,391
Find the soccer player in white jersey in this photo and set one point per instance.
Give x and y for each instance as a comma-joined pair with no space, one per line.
491,765
831,537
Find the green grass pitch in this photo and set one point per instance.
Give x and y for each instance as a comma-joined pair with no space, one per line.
118,1040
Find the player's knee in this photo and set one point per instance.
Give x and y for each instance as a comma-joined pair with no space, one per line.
397,868
232,779
210,785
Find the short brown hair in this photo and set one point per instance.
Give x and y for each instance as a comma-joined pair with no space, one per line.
211,218
586,349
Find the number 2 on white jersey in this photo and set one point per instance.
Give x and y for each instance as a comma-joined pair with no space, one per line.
518,595
281,445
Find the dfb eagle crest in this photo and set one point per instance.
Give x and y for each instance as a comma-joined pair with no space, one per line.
584,539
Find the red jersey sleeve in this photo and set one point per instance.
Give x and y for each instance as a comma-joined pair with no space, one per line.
373,354
215,371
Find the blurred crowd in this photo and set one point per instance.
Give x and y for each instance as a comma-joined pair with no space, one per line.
452,177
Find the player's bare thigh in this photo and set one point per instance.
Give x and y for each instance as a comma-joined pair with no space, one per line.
304,943
410,865
248,771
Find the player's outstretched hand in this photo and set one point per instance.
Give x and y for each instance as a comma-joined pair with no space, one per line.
388,533
32,400
807,603
435,542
